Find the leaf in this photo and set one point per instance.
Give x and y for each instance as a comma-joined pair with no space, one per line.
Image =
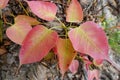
90,39
27,19
93,74
44,10
65,53
2,51
74,66
74,12
37,44
3,3
18,31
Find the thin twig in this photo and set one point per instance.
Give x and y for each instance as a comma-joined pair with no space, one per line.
23,8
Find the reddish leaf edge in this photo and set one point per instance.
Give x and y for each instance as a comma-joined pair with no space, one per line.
24,42
99,60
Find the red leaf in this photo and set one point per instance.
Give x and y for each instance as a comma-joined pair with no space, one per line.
18,31
37,44
90,39
74,12
93,74
27,19
3,3
65,53
44,10
74,66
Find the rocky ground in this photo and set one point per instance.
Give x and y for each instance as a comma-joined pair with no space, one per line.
48,70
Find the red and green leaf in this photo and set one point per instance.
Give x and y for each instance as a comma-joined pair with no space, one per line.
27,19
44,10
18,31
65,53
74,66
37,44
74,12
90,39
3,3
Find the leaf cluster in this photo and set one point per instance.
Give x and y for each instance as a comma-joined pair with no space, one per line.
37,41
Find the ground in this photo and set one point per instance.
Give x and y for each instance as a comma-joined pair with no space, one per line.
100,11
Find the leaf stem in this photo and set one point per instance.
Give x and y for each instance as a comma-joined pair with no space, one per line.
23,8
8,23
64,27
12,15
18,69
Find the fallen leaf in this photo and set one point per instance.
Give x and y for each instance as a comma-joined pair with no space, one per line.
2,51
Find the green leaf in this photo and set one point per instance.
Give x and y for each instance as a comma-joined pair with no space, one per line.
1,25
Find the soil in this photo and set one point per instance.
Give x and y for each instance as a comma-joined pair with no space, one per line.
48,70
